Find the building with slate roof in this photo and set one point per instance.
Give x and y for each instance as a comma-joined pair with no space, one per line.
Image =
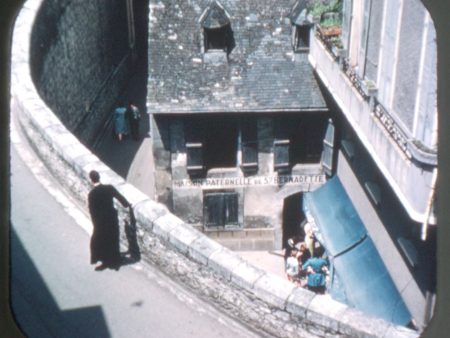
238,118
255,105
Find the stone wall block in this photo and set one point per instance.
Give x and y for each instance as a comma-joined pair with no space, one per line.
202,248
163,225
146,212
246,275
61,140
299,301
83,161
325,312
74,151
273,290
182,237
400,332
224,262
41,117
133,194
356,324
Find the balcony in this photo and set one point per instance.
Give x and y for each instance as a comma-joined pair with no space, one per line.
405,165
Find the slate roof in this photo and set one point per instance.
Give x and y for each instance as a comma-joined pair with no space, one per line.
262,73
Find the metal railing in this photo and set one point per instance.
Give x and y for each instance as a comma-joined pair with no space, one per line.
355,80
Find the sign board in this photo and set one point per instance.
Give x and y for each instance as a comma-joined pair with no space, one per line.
232,182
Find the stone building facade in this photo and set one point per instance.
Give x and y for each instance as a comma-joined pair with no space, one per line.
382,77
238,118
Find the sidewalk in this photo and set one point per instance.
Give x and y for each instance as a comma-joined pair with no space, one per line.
270,261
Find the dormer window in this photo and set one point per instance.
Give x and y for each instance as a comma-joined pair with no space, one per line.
217,32
300,27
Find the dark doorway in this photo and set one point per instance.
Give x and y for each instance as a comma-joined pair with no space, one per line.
292,217
221,143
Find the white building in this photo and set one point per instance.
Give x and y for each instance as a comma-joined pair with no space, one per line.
382,77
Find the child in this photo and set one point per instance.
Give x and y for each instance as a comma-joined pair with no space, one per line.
292,268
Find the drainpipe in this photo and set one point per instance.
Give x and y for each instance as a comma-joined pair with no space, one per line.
429,205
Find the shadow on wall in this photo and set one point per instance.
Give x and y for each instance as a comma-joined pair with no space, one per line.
83,68
81,61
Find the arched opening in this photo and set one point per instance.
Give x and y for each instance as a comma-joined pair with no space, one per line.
293,218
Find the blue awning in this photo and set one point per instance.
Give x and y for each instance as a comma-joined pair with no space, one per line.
357,263
334,214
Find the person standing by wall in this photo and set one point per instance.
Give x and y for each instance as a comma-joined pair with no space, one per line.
120,123
133,117
292,267
317,270
104,243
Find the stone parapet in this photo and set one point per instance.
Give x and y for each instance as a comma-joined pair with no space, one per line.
263,301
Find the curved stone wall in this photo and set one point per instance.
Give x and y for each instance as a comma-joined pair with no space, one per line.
81,61
260,299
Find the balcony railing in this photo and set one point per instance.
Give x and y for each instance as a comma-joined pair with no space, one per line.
356,81
329,46
396,133
339,57
412,148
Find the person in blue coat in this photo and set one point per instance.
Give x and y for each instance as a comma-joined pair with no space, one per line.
121,127
316,269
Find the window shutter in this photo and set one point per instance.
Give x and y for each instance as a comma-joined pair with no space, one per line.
214,210
231,208
328,146
281,154
249,144
250,155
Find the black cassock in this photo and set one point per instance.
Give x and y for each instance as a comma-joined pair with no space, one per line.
105,237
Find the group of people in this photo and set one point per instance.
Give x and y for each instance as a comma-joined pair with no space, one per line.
305,264
126,121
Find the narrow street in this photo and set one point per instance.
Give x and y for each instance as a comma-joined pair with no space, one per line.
57,293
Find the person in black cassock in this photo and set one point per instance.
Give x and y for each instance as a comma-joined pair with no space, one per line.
105,237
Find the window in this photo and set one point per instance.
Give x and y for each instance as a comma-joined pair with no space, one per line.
193,131
300,26
301,38
217,32
211,143
221,209
221,136
194,152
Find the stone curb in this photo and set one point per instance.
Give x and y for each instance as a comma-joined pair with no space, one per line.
156,218
273,290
